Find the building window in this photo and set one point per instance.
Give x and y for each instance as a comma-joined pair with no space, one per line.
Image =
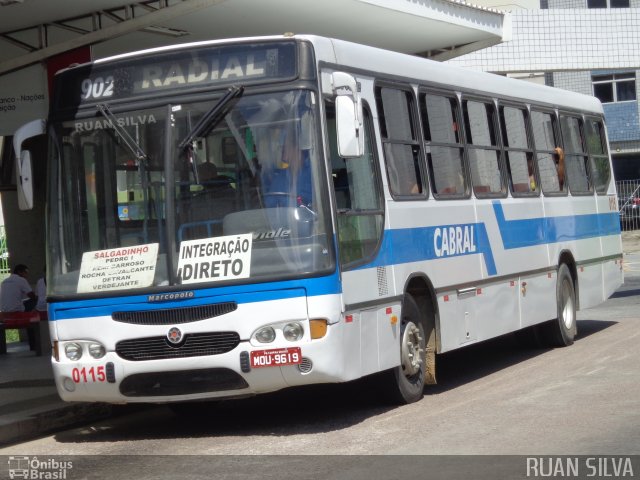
607,3
618,87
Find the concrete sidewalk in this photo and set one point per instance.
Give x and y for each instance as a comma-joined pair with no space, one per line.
29,402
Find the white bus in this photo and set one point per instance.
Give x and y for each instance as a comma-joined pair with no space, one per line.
235,217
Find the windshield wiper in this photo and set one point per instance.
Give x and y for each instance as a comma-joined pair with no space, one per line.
138,153
213,116
130,143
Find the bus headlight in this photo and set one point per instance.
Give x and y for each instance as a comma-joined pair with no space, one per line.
266,335
293,331
73,351
96,350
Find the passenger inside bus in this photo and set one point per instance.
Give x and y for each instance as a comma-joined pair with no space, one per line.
207,172
558,158
532,173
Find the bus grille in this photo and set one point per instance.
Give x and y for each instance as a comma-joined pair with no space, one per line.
194,345
174,316
183,382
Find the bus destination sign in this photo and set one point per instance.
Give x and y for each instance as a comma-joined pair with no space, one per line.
167,71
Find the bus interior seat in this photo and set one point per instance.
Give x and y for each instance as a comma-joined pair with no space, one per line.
206,209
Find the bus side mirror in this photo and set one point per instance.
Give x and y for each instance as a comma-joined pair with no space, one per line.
24,180
349,127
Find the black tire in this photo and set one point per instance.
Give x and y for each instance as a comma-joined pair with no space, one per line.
562,331
405,383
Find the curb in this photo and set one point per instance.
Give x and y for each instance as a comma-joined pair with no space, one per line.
28,426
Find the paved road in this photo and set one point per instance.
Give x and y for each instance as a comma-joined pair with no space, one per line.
494,398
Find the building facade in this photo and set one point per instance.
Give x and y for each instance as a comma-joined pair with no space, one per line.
586,46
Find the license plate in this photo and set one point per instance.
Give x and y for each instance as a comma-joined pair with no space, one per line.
278,357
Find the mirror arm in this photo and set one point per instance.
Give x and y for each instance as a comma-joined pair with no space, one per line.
24,172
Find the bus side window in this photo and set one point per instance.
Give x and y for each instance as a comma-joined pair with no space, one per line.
575,159
400,141
482,148
598,155
523,177
443,145
546,142
358,194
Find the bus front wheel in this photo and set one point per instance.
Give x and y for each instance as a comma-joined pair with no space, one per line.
405,383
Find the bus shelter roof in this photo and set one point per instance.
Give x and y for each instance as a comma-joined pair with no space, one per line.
34,30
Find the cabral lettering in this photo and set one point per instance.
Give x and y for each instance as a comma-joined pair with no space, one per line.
451,241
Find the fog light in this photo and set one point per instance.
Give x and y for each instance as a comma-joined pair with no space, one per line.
73,351
69,385
293,331
266,335
96,350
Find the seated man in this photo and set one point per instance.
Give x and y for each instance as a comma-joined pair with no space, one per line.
15,289
207,172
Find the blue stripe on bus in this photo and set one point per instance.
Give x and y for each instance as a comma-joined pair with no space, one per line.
257,292
405,245
539,231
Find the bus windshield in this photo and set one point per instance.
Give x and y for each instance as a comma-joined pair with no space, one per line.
156,200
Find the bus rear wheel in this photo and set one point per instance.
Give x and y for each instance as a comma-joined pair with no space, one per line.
405,383
562,331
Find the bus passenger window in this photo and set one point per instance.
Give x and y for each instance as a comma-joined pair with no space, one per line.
518,154
598,155
401,146
549,160
482,148
443,145
576,160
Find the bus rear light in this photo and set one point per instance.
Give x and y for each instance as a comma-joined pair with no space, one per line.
318,328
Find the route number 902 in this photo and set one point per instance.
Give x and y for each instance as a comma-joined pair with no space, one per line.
97,87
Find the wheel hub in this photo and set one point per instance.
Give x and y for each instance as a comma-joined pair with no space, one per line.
567,309
412,351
